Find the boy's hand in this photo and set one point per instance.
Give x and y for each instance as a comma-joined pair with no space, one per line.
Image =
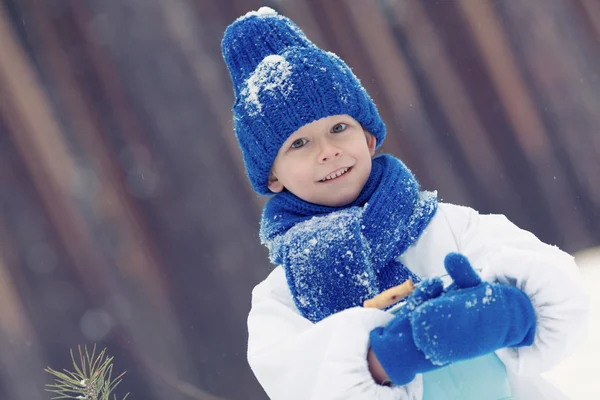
393,345
472,317
377,372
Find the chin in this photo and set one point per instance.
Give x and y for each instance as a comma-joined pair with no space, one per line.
342,201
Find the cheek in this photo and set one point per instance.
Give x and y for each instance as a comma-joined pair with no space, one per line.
300,175
295,174
368,166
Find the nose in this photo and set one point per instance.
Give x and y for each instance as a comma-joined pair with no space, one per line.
329,152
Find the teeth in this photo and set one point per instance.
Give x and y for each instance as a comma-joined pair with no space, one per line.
340,172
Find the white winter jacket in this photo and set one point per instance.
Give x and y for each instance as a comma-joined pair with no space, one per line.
294,359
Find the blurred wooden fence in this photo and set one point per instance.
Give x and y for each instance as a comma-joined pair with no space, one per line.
125,215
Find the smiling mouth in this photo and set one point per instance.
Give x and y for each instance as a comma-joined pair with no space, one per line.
336,174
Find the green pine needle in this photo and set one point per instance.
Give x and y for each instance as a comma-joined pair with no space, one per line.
90,380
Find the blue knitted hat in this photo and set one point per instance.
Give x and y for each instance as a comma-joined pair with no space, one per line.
282,81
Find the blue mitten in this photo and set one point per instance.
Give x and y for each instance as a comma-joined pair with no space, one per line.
393,344
472,317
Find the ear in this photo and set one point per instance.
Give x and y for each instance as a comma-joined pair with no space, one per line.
274,185
371,143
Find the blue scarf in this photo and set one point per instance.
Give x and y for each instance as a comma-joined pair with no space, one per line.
337,257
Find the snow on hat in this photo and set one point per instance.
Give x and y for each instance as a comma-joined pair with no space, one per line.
282,81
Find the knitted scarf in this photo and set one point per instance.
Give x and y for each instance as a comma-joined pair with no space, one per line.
337,257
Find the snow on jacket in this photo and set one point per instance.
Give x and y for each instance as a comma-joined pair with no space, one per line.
294,359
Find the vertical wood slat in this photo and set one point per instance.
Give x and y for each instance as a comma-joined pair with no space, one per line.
29,112
451,93
151,284
400,92
231,288
21,375
189,37
537,42
506,78
13,323
45,154
519,105
592,11
574,90
77,104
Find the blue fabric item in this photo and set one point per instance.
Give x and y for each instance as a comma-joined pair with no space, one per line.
394,345
337,257
481,378
472,317
281,82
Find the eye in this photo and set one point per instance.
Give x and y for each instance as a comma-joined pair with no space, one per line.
337,128
298,143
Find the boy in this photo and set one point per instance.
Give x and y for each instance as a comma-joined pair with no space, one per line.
343,226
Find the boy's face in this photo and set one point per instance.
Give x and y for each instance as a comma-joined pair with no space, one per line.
326,162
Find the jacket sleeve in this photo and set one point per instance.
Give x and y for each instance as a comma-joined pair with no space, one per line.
294,359
549,276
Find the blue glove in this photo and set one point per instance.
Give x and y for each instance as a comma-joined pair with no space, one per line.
393,344
472,317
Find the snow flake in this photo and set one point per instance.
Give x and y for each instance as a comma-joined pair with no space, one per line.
488,296
303,300
363,279
470,304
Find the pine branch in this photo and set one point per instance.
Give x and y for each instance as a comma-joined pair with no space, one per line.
90,380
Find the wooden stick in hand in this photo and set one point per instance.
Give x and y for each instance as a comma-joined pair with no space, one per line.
390,296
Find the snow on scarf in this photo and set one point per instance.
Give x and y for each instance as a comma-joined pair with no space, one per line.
337,257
